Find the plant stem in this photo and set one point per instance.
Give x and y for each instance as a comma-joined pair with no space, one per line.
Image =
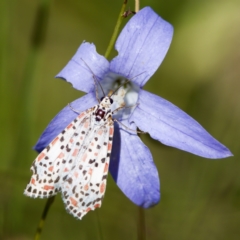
44,215
141,224
116,30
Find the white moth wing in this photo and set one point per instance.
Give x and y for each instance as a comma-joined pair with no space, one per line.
84,188
49,166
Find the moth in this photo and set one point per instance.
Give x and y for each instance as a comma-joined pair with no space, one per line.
76,162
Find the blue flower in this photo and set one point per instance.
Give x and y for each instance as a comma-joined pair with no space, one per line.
142,46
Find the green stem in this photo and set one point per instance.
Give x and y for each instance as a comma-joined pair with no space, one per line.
141,224
116,30
141,218
99,226
44,215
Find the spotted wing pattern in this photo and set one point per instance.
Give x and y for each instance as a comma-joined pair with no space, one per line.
85,185
76,163
51,163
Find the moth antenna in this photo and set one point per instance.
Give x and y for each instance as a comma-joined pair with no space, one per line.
113,92
96,81
119,108
129,129
129,80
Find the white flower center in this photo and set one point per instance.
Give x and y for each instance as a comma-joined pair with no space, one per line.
123,92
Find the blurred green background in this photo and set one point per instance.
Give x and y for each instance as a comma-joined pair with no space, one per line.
200,74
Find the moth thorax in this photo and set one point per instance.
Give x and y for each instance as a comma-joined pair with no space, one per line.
100,114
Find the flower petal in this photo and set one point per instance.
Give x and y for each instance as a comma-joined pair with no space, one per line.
173,127
63,118
142,46
133,169
80,69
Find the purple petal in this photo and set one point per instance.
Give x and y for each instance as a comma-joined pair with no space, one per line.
142,46
133,169
173,127
80,69
63,118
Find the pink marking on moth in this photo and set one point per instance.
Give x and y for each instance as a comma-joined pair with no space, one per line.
100,132
86,124
81,115
90,171
76,174
61,155
73,201
106,168
47,187
33,181
88,209
75,152
41,156
102,187
97,205
109,146
111,131
50,168
84,157
55,140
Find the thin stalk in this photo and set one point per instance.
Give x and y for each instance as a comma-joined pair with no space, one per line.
43,218
116,30
141,224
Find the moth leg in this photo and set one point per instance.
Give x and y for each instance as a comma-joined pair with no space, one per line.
73,109
117,109
127,128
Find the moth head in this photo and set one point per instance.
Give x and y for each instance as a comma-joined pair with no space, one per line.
106,101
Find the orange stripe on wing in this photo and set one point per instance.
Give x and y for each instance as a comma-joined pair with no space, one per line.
33,181
61,155
50,168
84,157
41,156
75,152
86,124
55,140
109,147
47,187
88,209
90,171
111,131
100,132
75,174
73,201
102,187
81,115
106,167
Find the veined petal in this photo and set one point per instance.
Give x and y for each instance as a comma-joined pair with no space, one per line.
142,46
80,69
173,127
133,169
63,118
